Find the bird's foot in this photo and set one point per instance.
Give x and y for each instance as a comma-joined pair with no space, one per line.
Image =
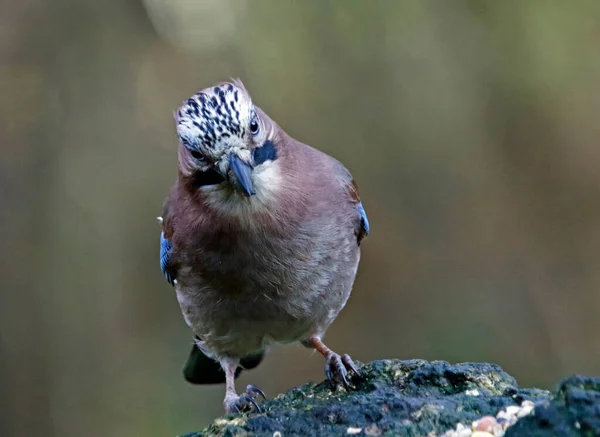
337,368
245,402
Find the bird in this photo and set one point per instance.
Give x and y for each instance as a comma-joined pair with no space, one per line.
261,238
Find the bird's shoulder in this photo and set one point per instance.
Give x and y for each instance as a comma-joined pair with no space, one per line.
351,188
181,213
166,236
340,184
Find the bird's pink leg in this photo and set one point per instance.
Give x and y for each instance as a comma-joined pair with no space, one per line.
336,366
246,401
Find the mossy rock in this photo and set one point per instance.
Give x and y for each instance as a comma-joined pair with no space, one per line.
417,398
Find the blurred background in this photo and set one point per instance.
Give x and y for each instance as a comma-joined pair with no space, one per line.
471,128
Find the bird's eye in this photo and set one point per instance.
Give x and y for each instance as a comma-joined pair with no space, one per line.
197,155
254,125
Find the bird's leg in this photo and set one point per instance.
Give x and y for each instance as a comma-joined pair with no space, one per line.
246,401
336,366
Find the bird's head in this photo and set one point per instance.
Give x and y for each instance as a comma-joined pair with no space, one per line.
224,138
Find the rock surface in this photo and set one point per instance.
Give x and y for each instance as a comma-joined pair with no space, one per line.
419,398
574,410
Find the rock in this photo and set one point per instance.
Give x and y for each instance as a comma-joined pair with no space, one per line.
418,398
573,411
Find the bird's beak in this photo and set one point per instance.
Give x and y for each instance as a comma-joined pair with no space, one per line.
241,175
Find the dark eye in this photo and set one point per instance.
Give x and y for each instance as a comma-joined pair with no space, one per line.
197,155
254,125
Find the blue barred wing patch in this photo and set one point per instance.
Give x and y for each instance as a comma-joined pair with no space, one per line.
165,248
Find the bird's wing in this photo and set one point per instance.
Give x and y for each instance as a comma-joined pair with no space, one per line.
165,246
352,189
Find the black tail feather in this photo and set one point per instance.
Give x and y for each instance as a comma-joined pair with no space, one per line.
200,369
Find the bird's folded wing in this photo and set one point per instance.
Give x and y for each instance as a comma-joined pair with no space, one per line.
346,179
166,247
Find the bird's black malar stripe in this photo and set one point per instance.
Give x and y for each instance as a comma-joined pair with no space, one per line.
209,177
266,152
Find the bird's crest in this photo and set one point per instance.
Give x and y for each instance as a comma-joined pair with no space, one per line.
213,120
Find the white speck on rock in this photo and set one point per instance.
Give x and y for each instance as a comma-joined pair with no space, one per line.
352,431
512,410
489,426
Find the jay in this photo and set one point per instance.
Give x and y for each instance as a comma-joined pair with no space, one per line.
260,238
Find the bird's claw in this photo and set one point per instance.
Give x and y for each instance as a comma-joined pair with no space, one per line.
350,364
246,401
337,367
255,391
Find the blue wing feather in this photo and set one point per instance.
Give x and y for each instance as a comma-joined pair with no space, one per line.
364,221
165,248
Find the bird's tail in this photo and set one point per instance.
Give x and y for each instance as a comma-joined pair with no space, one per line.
200,369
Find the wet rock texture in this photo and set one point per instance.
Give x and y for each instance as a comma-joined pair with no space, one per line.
420,398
